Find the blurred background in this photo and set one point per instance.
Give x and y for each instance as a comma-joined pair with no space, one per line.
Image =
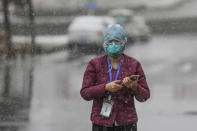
45,46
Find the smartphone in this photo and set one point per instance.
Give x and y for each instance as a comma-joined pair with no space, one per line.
134,77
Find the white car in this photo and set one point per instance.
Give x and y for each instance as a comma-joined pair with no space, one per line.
86,32
135,26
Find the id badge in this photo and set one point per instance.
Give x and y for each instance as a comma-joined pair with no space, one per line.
106,108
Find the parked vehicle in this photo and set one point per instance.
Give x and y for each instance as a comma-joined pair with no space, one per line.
85,33
135,26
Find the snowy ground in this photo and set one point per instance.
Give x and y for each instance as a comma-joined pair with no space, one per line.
186,10
45,41
101,3
169,63
160,3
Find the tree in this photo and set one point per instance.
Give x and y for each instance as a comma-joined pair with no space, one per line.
22,4
27,5
7,27
32,20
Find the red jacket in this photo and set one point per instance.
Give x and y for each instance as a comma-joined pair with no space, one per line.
93,88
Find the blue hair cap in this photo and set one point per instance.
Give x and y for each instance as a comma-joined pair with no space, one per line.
114,32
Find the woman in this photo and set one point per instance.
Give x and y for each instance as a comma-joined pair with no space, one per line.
107,82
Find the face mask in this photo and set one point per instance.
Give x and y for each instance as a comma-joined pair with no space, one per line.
114,50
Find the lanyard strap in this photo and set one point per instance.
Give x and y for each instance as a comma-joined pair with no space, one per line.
110,68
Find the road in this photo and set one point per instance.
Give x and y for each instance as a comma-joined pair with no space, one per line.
169,63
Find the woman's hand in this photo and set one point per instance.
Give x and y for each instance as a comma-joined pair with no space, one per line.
113,86
130,84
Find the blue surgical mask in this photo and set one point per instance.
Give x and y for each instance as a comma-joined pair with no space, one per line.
114,50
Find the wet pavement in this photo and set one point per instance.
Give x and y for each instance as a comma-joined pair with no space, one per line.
169,63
